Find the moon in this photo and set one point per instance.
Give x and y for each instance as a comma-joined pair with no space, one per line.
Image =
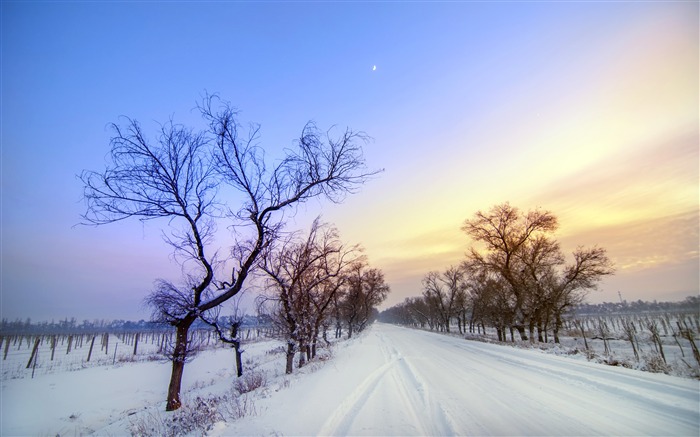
374,68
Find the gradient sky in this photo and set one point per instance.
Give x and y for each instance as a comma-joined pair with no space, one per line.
588,109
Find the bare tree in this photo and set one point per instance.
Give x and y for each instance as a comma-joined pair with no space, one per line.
571,285
332,277
536,269
444,291
504,231
304,278
365,290
418,311
290,270
171,178
176,177
490,300
519,252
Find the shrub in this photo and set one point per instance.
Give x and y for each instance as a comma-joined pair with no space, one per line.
249,382
656,364
237,407
276,350
198,415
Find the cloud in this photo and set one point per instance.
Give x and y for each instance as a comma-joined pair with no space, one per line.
656,181
664,282
642,206
642,244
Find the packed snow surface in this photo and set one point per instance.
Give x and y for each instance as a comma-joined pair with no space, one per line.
387,381
398,381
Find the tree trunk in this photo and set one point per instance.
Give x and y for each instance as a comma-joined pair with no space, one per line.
325,335
236,342
314,339
178,360
338,329
521,331
555,330
302,354
239,363
290,357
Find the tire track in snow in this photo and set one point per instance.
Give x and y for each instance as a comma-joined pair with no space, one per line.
342,418
432,418
438,421
415,413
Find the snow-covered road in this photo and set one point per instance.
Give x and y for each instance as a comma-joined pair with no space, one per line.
397,381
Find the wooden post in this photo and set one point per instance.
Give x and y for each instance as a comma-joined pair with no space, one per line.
136,342
114,360
7,347
70,342
36,346
36,358
92,343
688,334
53,346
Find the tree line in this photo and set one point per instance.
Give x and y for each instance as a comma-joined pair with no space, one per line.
313,281
515,278
187,177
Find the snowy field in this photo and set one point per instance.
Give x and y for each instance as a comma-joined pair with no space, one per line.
387,381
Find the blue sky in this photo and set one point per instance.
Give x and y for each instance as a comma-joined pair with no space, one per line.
587,109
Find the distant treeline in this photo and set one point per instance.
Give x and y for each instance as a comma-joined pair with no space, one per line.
690,304
71,326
